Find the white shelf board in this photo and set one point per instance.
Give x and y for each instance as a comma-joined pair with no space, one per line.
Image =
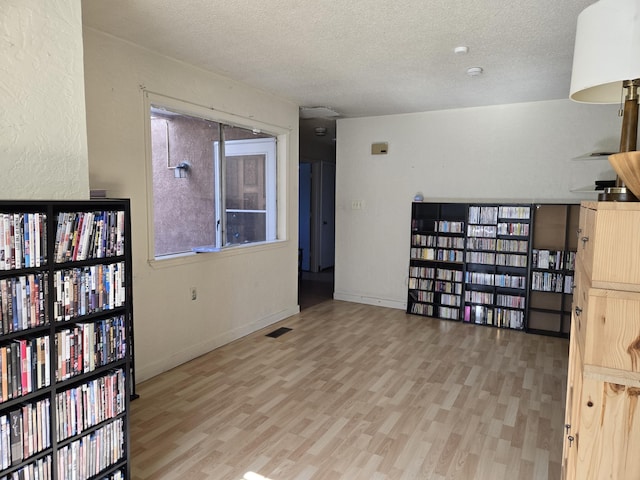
584,190
592,156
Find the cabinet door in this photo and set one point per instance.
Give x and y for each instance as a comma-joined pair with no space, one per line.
572,412
608,441
613,336
611,252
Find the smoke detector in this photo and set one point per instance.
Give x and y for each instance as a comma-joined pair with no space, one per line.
474,71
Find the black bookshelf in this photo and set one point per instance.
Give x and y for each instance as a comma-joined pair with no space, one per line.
496,262
489,262
65,338
554,245
437,260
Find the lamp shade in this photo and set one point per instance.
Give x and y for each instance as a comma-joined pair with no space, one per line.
607,51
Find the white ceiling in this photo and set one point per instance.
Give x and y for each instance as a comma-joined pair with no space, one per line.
363,57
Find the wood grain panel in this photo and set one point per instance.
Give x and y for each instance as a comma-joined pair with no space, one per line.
608,417
611,255
614,330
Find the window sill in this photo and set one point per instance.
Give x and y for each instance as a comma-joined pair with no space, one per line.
206,254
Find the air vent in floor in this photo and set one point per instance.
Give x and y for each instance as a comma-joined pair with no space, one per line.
276,333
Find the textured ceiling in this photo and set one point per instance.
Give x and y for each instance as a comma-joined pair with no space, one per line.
363,57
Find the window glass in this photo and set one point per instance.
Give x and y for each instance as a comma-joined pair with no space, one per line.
200,202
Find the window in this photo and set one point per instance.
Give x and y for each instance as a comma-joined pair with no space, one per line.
214,184
249,173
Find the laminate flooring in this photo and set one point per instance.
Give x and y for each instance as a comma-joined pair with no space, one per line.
356,392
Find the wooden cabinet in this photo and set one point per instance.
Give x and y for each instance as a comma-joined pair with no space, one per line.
602,423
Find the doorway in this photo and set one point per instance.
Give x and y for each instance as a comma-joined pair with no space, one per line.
316,221
316,233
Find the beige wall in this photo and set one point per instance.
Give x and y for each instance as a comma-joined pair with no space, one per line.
239,290
43,140
517,152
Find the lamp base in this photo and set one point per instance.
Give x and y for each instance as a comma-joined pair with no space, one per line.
617,194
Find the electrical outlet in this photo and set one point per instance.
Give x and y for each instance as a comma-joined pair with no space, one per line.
194,293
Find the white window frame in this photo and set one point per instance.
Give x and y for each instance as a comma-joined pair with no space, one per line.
237,148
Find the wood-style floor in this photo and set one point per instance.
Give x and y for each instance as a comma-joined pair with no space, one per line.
358,392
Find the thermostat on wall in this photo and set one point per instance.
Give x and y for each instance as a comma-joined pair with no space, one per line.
379,148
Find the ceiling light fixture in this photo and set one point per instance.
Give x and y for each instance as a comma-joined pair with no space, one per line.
474,71
606,69
461,50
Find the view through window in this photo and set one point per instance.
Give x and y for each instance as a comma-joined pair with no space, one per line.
214,184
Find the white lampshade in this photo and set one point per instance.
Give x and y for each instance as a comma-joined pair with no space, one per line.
607,51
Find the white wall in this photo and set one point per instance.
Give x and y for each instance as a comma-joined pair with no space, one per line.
238,291
519,152
43,139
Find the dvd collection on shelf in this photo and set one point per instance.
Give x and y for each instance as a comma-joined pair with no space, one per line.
22,304
553,270
65,313
485,252
25,367
23,240
88,346
84,290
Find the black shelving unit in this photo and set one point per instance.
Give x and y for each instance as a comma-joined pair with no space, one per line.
475,272
554,245
508,265
65,338
496,262
437,260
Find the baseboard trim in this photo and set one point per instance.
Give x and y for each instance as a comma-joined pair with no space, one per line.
381,302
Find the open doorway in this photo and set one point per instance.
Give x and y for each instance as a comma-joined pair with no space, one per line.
317,211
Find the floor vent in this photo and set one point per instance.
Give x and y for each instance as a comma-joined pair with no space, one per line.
278,332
